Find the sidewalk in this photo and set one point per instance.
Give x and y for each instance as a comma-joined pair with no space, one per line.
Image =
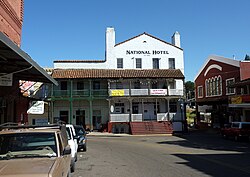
106,134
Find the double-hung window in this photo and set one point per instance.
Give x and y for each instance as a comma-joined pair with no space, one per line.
156,63
138,63
171,63
119,62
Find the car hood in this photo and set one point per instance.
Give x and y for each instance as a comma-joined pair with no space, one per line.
35,167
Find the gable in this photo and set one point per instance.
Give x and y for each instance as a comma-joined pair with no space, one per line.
217,64
146,38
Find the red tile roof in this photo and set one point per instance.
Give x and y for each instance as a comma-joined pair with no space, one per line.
117,73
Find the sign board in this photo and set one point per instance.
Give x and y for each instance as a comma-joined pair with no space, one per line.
158,91
236,100
117,93
41,121
6,80
37,107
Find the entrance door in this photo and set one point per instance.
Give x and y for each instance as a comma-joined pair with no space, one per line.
80,118
148,112
64,116
97,119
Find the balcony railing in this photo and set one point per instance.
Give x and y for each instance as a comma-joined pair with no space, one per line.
119,117
80,93
145,92
139,117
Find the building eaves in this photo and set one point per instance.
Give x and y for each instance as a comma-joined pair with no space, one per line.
116,74
80,61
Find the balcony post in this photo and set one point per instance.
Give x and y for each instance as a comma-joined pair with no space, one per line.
130,85
168,87
71,103
148,81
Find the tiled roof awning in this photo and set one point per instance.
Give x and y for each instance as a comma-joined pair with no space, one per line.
15,61
117,73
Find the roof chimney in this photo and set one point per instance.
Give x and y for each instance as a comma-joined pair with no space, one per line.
176,39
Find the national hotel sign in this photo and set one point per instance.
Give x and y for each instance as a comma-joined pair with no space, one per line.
146,52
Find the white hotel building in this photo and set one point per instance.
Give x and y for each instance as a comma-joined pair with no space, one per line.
139,81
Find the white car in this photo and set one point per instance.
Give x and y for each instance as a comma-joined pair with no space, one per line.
73,145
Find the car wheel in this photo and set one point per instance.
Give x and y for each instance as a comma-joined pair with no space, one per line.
76,157
84,149
72,168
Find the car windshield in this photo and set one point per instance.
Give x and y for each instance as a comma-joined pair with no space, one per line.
80,131
21,145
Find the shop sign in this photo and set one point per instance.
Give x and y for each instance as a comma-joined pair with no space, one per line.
117,93
158,91
37,107
6,80
236,100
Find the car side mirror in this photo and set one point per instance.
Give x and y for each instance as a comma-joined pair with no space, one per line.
67,150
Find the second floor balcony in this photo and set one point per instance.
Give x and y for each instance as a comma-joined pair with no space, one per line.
80,93
145,92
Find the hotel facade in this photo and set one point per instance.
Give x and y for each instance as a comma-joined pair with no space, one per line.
140,80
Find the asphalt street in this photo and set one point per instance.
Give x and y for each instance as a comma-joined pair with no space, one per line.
193,154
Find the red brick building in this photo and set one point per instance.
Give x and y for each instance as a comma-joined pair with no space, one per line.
15,64
212,86
11,19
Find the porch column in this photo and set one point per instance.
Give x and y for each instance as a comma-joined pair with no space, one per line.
142,105
71,103
51,118
91,114
168,109
130,109
156,109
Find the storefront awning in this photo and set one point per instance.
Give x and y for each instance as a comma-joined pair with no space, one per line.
15,61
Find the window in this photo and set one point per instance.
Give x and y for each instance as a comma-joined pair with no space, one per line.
213,86
154,85
80,85
200,91
230,90
119,62
171,63
119,85
96,85
64,85
137,85
138,63
156,63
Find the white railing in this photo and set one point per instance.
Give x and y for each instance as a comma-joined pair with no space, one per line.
178,92
136,118
139,92
119,117
164,116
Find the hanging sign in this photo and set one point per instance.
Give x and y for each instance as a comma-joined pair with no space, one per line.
37,107
6,80
117,93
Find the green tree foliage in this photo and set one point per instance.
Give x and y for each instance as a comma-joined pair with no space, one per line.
189,86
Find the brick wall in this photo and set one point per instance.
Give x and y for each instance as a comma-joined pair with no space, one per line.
11,19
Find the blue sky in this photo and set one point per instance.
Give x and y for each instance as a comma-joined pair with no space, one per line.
63,29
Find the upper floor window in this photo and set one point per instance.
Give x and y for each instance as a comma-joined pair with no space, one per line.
156,63
213,86
171,63
137,85
138,63
96,85
119,85
119,62
80,85
200,91
230,90
64,85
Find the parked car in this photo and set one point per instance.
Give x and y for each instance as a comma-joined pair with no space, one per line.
72,140
236,130
81,137
35,151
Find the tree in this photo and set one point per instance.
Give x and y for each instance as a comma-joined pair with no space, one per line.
247,57
189,86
